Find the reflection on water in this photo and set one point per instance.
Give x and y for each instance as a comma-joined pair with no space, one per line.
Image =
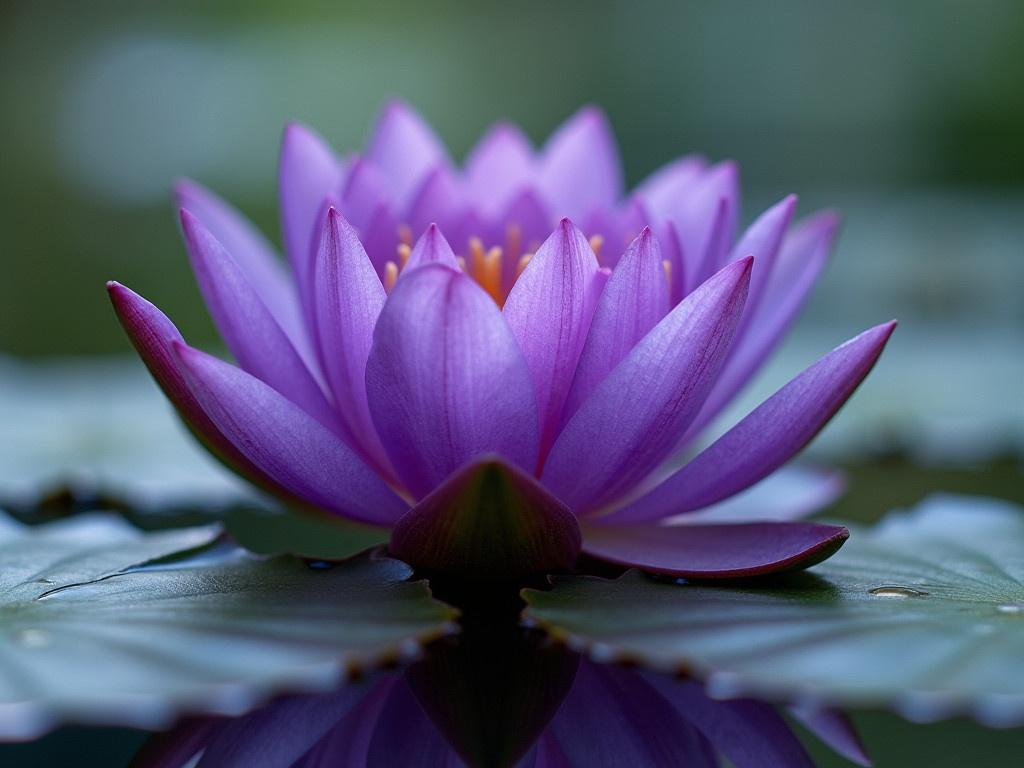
495,697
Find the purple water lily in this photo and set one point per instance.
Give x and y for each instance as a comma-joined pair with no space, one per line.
504,402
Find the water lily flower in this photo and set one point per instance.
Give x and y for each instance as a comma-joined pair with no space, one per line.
504,363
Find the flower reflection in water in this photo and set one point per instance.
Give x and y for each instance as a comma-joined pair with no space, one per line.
503,699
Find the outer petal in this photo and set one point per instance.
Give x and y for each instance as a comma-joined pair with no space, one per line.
769,436
750,734
247,327
286,443
710,551
549,310
488,521
308,172
348,299
431,248
253,254
579,165
153,335
634,301
636,415
446,381
799,264
501,164
404,147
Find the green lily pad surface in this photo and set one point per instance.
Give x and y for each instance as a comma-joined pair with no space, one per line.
102,624
923,613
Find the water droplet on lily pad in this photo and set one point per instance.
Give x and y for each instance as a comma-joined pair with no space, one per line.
896,591
1011,609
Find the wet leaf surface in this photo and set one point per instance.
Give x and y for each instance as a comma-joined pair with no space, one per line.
102,624
923,613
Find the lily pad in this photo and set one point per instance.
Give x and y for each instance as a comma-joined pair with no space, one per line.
306,534
923,613
103,624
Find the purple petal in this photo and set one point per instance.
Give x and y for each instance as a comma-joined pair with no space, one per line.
769,436
404,148
253,254
790,493
247,327
438,200
705,220
612,717
348,298
525,221
446,381
285,443
803,256
404,737
763,240
579,165
364,191
549,311
431,248
308,172
499,166
634,301
715,551
380,238
664,188
835,729
488,521
636,416
750,734
153,335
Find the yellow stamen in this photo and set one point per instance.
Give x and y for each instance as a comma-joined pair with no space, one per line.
403,255
490,275
462,262
667,266
405,234
596,241
390,275
521,265
476,256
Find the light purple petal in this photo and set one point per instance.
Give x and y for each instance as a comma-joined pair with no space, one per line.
835,729
523,225
667,185
790,493
769,436
446,381
439,199
763,240
801,260
404,148
500,165
549,310
348,298
750,734
705,221
579,165
431,248
285,443
636,416
254,255
612,717
634,301
308,172
380,238
364,191
246,325
714,551
153,335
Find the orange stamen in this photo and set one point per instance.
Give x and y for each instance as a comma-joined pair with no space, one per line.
390,275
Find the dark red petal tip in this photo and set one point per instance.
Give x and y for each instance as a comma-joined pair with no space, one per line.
489,521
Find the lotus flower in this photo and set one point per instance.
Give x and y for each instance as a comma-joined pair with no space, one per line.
504,402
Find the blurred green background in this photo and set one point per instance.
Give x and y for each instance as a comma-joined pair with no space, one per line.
907,116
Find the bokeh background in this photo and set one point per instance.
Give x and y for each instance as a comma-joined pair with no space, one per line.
908,117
